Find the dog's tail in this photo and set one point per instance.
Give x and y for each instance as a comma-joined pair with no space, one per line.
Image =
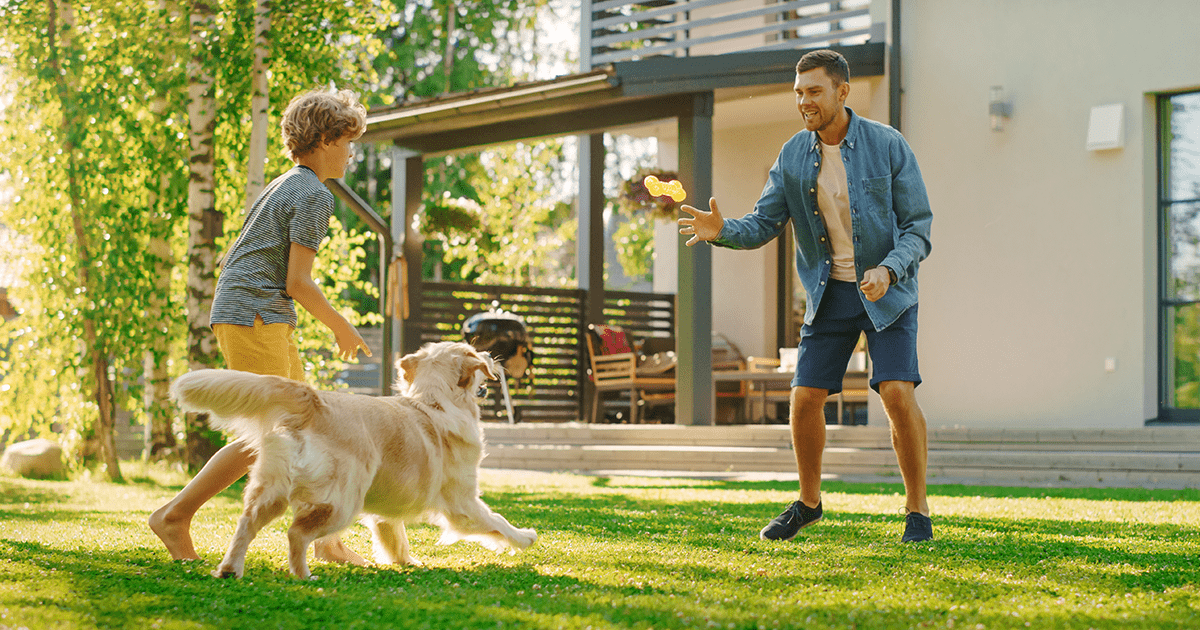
250,405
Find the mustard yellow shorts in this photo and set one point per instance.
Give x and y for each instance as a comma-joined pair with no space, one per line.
261,349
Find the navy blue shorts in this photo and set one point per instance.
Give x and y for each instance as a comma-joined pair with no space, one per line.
826,345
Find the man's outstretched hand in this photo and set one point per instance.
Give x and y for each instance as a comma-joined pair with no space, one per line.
703,226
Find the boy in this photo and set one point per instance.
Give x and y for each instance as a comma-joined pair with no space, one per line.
267,268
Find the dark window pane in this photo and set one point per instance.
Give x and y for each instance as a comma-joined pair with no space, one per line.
1183,251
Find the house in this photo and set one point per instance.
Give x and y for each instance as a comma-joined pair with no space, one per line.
1059,142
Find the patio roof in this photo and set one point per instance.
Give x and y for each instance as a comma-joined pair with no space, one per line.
612,96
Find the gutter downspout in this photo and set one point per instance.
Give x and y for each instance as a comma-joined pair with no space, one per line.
893,68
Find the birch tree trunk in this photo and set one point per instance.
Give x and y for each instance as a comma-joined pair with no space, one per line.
159,436
205,223
60,29
259,102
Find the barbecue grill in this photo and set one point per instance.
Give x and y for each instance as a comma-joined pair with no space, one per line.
506,337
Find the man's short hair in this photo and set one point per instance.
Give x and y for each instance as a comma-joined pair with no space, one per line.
321,116
834,63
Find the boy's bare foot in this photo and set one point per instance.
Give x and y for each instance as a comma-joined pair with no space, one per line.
174,534
332,549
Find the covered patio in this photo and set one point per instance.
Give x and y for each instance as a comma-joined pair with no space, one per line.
609,98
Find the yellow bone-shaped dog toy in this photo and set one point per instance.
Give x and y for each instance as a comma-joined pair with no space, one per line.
674,189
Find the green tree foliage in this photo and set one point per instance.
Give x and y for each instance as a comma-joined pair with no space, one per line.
125,68
103,146
434,47
519,230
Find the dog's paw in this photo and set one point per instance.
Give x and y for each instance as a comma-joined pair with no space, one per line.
225,573
527,537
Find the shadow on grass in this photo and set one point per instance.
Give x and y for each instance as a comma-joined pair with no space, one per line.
15,493
133,589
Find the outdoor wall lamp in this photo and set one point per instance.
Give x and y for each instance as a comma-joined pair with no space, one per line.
998,108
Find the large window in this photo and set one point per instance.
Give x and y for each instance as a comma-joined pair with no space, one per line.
1179,246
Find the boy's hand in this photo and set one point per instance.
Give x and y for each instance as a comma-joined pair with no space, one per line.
349,342
703,226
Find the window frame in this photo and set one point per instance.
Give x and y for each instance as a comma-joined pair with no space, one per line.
1167,413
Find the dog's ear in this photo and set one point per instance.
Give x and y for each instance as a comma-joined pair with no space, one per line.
489,367
408,368
474,363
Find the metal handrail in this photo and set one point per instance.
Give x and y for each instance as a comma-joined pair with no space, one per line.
387,247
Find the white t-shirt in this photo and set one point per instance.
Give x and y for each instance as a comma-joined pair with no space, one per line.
834,203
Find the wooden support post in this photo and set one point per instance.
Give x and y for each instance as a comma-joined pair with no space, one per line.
695,398
590,242
408,180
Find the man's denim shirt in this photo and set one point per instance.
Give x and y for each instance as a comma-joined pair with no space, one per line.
889,214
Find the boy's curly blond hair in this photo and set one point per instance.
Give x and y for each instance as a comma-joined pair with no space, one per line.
321,116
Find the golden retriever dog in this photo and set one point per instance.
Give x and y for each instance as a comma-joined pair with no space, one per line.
333,456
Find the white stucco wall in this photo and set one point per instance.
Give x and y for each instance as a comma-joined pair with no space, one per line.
1044,253
743,281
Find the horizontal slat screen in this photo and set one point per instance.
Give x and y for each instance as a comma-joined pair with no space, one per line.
554,318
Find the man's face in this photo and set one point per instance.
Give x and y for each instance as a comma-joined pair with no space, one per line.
818,101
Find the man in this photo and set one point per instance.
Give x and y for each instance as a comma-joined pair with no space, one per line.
860,216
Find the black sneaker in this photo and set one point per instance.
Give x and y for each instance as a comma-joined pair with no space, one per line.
796,517
917,527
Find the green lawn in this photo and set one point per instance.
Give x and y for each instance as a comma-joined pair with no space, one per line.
626,552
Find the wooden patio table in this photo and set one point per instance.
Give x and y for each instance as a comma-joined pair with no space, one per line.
777,377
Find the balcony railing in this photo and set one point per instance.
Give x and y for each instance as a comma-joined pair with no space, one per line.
619,30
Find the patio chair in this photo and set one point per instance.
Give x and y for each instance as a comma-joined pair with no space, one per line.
727,357
615,368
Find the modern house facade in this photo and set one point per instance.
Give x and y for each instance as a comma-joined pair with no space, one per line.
1059,143
1045,302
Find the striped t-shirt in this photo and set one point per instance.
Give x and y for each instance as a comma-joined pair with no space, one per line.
295,208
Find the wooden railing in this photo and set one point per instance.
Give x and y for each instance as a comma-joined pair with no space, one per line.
620,30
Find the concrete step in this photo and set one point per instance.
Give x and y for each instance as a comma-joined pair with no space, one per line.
1168,458
1139,440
